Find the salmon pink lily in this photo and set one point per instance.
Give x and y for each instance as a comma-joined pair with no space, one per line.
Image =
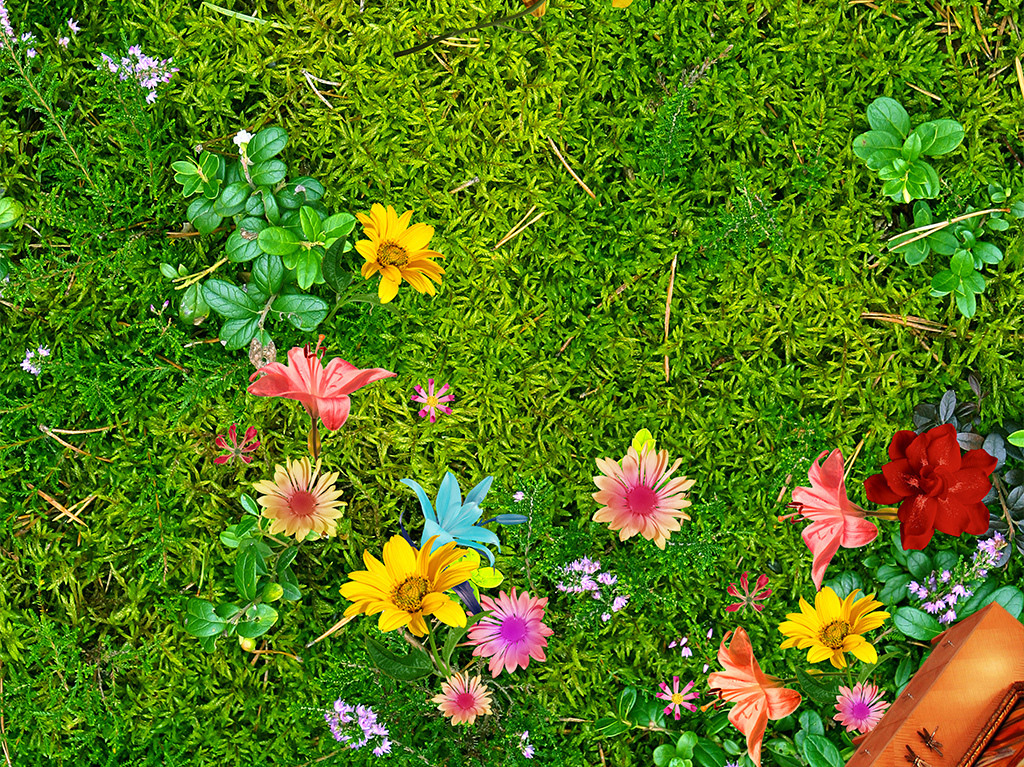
835,520
323,391
758,697
936,486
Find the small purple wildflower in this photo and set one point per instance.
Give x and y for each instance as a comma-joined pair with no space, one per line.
73,26
146,70
355,726
63,41
518,496
619,602
524,745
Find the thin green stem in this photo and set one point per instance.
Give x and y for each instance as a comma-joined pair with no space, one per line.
423,46
437,656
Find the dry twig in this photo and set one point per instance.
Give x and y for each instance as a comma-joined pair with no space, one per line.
332,629
571,171
519,228
926,93
910,321
46,430
668,306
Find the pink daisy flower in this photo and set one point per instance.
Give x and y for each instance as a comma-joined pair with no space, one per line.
860,708
512,633
677,697
463,698
639,497
431,400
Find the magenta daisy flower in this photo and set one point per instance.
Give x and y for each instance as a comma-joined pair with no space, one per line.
860,708
234,449
749,597
463,698
677,697
639,497
512,633
431,400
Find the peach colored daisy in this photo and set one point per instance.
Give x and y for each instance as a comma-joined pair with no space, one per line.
298,503
639,497
463,698
398,251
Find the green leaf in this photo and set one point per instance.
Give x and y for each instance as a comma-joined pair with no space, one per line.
916,624
310,222
811,723
311,189
988,252
414,665
919,564
232,199
911,149
228,300
278,241
1017,209
201,620
819,752
664,754
245,572
307,266
943,242
625,702
685,745
895,590
268,173
339,225
939,137
290,584
268,274
904,671
1017,438
609,726
267,143
168,271
974,282
250,505
819,689
708,754
979,599
235,334
10,211
914,252
922,214
997,224
922,180
967,303
201,212
996,193
1010,597
194,308
258,621
332,269
227,611
886,114
961,265
271,209
243,243
304,312
844,584
877,147
942,283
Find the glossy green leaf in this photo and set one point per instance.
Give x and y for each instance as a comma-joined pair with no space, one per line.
943,283
414,665
201,619
625,702
943,242
268,274
886,114
919,564
194,308
916,624
894,590
939,137
258,620
988,252
232,199
278,241
307,266
235,334
304,312
961,265
819,752
202,214
268,173
228,300
911,149
967,303
267,143
310,222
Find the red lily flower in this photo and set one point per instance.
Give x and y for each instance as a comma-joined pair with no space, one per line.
234,449
937,487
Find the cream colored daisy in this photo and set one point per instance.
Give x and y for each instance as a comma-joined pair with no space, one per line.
298,503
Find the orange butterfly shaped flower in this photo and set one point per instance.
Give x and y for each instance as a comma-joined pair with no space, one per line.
758,697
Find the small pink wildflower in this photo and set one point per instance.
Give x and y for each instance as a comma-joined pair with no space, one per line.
677,697
432,401
63,41
749,598
73,26
234,449
860,708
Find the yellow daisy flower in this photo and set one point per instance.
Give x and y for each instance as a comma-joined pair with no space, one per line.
398,251
832,628
297,503
409,585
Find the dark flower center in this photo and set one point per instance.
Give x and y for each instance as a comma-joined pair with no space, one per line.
642,500
933,482
390,253
409,594
833,634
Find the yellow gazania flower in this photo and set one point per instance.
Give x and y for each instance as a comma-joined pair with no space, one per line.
621,3
398,251
297,504
409,585
832,628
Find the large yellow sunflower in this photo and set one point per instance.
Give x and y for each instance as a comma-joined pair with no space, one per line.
832,628
398,251
409,585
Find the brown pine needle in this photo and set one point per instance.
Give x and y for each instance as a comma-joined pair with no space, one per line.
45,430
519,228
571,171
668,306
1020,75
332,629
849,465
917,323
61,508
84,431
926,93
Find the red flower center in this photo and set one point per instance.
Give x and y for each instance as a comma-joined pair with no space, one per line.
302,503
465,700
933,481
642,500
513,629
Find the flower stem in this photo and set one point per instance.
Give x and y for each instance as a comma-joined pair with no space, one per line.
423,46
437,656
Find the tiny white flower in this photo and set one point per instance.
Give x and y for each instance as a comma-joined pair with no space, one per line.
242,138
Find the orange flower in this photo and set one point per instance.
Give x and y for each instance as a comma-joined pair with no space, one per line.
538,12
758,697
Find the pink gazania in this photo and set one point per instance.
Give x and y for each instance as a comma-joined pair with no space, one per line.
860,708
835,520
249,443
512,633
432,401
639,497
749,598
677,697
463,698
323,391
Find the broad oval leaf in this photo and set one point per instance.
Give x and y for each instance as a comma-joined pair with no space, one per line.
339,225
194,308
1010,597
303,311
886,114
944,282
819,752
203,216
242,245
268,173
229,301
894,590
939,137
278,241
916,624
962,263
988,252
310,222
919,564
967,303
943,242
234,334
268,273
201,619
267,143
258,621
232,199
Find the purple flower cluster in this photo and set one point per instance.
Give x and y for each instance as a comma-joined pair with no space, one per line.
583,576
28,366
148,71
943,589
6,31
524,745
356,726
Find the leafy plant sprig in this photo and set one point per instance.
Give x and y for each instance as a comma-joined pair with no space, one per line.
895,151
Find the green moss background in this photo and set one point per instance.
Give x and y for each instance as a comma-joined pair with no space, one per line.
553,344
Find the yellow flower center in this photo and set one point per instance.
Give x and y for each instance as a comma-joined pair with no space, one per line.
409,594
833,634
431,402
390,253
678,698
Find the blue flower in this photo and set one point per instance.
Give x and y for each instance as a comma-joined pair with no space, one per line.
456,521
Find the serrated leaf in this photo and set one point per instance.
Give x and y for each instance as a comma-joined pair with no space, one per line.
886,114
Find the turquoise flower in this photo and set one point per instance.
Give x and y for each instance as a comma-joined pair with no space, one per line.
457,521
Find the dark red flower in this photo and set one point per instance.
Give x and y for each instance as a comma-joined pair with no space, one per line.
236,450
937,487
